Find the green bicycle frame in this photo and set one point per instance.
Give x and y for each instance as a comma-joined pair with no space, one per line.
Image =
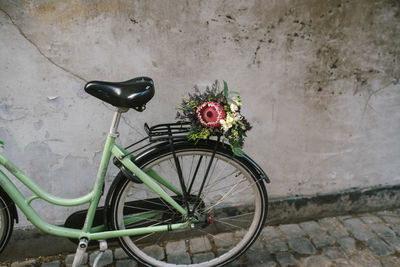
88,231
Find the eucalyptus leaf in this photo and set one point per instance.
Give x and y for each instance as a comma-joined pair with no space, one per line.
225,89
230,101
237,151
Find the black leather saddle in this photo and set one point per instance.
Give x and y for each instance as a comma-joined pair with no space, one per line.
134,93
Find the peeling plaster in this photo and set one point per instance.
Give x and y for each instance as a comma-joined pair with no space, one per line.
319,82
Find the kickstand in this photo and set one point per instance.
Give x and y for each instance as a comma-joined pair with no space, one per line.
80,251
103,248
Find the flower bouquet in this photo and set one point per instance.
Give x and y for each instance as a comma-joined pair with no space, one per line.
215,112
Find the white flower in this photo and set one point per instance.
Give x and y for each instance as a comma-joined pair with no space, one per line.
234,107
237,117
229,119
225,124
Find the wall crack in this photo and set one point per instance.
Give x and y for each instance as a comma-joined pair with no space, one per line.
40,51
394,82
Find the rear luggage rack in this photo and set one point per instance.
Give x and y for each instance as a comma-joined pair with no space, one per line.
167,131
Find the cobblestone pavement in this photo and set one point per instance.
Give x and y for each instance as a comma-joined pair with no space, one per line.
370,239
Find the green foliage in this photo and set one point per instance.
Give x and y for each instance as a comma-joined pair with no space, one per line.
225,89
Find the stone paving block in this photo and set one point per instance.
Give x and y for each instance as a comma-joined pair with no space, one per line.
338,232
393,241
378,247
238,262
224,240
364,259
311,227
260,258
200,244
386,213
390,261
321,239
176,247
329,222
345,217
182,258
24,263
257,245
342,263
396,229
382,230
316,261
370,219
126,263
362,234
397,211
392,220
348,244
302,245
155,251
240,233
221,251
286,259
106,258
276,245
291,230
56,263
334,227
203,257
70,258
334,253
270,232
119,254
353,223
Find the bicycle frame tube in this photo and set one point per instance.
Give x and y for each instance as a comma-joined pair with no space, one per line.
93,198
39,192
146,179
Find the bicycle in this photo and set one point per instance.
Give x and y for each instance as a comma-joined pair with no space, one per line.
167,190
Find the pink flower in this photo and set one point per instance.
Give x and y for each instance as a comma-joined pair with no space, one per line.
210,114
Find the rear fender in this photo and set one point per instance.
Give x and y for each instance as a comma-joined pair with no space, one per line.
210,143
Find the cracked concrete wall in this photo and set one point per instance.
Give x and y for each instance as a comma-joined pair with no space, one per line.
319,81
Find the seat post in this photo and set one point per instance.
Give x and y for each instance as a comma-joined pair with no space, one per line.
115,121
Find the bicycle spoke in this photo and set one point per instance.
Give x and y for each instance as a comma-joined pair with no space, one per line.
190,173
241,228
234,217
224,197
219,185
221,188
213,236
221,179
195,174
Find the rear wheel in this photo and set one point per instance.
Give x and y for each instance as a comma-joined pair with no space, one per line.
6,223
231,209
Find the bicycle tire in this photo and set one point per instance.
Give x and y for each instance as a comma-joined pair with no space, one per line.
6,223
199,246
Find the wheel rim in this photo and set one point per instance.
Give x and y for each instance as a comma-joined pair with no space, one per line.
4,224
231,196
